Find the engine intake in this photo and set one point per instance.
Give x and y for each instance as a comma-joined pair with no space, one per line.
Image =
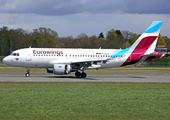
61,69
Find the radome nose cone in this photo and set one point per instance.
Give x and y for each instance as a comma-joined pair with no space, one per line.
4,60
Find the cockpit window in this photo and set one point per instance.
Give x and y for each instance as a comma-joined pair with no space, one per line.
15,54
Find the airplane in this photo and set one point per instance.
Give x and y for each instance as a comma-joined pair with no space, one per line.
63,61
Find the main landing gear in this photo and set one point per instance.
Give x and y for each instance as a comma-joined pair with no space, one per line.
82,75
28,72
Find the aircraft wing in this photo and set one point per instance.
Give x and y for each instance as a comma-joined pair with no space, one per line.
91,63
88,63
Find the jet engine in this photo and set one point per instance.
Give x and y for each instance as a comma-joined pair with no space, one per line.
61,69
49,70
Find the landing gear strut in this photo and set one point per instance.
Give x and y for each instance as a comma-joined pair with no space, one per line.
28,72
82,75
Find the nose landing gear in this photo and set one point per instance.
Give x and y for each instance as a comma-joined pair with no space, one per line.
28,72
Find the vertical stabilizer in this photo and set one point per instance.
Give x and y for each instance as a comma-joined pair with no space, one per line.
145,44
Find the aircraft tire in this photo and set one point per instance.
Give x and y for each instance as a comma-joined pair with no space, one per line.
77,74
27,75
83,75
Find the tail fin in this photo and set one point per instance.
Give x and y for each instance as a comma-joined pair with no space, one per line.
145,44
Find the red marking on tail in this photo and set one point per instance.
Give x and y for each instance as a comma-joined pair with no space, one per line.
140,49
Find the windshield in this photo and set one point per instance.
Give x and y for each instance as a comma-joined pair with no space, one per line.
14,54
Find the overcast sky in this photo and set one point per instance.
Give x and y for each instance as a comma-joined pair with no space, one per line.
73,17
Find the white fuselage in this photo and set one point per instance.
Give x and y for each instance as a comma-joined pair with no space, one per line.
46,57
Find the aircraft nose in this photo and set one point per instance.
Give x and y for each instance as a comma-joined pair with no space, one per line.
5,60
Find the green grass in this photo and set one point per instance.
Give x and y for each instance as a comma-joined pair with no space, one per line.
3,65
84,101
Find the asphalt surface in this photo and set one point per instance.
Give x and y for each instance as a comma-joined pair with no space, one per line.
90,78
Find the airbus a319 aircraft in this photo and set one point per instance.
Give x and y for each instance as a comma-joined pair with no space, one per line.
63,61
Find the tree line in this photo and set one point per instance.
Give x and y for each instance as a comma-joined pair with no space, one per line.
13,39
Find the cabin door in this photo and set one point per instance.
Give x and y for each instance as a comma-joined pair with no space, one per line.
28,55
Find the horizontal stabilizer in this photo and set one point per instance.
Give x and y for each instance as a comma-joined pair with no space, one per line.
154,54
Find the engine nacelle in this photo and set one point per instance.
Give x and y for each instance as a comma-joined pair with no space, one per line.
61,69
49,70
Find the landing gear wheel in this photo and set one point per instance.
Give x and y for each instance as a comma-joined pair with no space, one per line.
27,75
83,75
77,74
28,72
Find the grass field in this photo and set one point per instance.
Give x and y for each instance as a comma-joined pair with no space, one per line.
84,101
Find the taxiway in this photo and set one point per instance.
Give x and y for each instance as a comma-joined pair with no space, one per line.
91,78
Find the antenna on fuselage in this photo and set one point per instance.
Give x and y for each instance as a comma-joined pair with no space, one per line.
100,48
30,47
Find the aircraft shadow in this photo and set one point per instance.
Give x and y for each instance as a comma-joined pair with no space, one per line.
71,77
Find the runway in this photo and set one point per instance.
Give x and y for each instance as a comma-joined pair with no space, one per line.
91,78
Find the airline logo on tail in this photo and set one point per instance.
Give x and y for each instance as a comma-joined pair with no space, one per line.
144,45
